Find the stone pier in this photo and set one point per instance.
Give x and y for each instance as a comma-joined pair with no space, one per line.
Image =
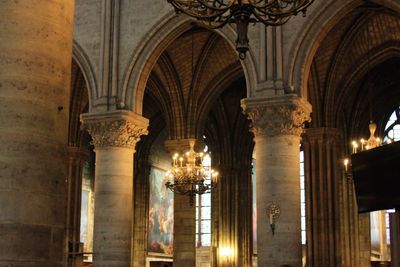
114,135
35,66
277,124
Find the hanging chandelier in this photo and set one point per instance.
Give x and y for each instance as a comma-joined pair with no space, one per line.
363,144
217,13
189,176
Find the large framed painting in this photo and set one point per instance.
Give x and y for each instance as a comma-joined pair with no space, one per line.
161,214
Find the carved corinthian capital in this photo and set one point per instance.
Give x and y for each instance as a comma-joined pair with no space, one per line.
281,115
119,128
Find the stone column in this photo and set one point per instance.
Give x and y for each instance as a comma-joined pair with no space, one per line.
76,159
395,238
228,219
234,215
277,123
35,66
323,178
184,217
114,135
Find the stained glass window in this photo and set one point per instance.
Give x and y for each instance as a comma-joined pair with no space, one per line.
392,128
203,212
392,133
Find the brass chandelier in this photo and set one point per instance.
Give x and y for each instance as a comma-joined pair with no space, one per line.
217,13
188,176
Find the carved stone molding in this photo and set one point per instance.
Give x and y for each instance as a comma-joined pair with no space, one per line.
80,153
183,145
119,128
318,134
275,116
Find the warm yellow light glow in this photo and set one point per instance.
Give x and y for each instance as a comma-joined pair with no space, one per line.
355,146
346,163
188,174
226,252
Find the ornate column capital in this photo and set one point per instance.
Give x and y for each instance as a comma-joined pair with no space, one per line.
275,116
119,128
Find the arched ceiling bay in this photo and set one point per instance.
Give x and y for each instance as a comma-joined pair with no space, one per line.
356,62
187,78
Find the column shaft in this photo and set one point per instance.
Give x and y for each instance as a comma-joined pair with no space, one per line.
278,182
113,209
277,123
323,185
184,232
234,215
228,216
35,66
395,238
114,135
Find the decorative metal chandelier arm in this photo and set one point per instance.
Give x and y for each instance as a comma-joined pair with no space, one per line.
271,20
280,8
199,13
216,13
216,23
216,5
201,7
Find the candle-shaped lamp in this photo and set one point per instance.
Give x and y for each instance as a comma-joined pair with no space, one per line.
346,163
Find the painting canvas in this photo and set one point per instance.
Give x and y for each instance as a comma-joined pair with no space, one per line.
161,214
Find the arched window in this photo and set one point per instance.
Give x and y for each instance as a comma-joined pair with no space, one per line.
392,128
203,210
392,133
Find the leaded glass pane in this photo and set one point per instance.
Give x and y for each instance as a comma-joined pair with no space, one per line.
206,200
206,227
206,240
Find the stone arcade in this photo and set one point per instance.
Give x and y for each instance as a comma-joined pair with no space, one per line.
95,96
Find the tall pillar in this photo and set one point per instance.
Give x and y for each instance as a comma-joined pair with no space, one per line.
395,238
184,217
234,213
277,123
323,178
35,66
114,135
228,218
76,158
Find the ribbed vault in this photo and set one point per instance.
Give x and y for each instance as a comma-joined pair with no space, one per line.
188,76
355,65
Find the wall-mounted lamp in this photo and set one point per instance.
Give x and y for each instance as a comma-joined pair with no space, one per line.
273,213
